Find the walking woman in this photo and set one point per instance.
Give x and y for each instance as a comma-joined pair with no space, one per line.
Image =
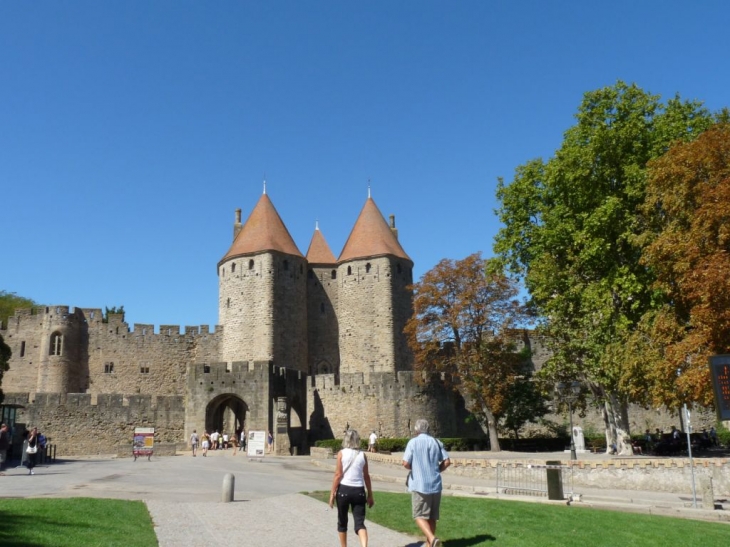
349,486
32,450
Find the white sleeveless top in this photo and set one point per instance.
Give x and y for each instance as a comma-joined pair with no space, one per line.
353,462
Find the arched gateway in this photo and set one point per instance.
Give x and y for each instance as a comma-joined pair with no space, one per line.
226,413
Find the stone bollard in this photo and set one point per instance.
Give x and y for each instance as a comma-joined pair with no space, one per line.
708,496
555,481
229,485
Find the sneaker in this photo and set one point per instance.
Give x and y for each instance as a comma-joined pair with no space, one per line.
436,543
31,472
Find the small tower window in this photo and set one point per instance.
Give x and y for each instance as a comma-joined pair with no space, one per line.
334,274
250,264
349,270
22,349
233,267
310,274
301,269
228,303
144,370
321,307
367,267
56,344
398,268
286,265
108,368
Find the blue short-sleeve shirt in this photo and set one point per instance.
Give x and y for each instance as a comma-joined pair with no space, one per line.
424,454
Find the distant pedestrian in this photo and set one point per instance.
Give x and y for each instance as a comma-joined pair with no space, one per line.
4,445
713,436
206,443
372,441
270,441
426,458
351,488
32,450
194,440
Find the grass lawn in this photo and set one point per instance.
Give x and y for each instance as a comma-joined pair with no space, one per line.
470,522
61,522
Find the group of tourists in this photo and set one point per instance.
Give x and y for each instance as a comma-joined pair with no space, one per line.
217,441
425,458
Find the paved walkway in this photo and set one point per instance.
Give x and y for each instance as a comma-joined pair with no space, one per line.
183,496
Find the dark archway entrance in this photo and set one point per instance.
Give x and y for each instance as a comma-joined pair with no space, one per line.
226,414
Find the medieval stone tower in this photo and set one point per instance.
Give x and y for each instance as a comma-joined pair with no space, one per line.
316,314
262,293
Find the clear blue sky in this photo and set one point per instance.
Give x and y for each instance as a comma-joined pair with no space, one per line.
130,131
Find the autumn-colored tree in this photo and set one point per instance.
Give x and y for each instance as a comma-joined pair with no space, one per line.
569,232
463,326
687,242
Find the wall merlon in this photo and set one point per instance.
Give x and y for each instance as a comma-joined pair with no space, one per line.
78,399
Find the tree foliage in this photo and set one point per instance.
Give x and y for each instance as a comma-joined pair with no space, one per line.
9,302
687,247
463,326
570,226
114,310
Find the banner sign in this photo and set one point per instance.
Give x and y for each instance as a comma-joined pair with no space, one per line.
144,440
720,373
256,443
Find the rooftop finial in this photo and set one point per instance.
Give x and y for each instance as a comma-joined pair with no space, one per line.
264,183
368,188
316,225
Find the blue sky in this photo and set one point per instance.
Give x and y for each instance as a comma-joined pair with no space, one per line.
130,131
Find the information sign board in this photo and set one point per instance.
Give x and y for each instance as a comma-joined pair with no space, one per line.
144,441
256,446
720,373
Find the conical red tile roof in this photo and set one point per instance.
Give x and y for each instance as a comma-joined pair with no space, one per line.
263,231
319,252
371,236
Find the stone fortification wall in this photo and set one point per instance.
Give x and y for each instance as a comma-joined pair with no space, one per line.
79,424
56,350
322,323
371,312
140,361
388,403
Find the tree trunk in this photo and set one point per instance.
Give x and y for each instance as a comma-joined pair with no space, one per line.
615,418
490,428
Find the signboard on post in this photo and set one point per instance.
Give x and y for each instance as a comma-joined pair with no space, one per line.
256,444
720,374
143,443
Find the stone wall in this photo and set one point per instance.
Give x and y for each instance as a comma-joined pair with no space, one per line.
81,425
322,322
388,403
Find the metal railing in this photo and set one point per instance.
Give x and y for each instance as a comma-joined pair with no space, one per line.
527,479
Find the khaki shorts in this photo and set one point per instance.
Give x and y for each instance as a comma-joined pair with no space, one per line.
425,506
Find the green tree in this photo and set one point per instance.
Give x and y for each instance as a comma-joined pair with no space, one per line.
9,302
569,233
5,354
463,326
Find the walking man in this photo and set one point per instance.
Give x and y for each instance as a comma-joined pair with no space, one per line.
426,458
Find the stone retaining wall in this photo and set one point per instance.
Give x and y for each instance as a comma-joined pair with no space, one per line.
647,474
